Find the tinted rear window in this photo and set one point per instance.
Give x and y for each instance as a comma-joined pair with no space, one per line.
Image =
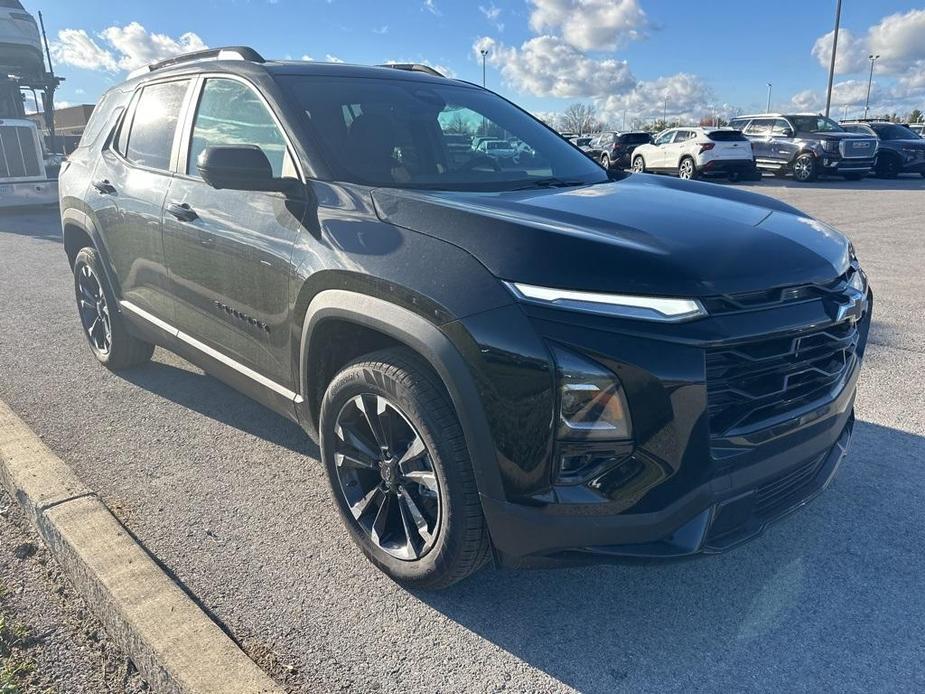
727,136
154,124
634,138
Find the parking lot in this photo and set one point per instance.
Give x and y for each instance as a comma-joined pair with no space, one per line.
232,499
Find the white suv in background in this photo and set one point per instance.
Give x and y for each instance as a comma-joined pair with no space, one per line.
694,152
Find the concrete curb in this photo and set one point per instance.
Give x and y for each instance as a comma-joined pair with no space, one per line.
173,643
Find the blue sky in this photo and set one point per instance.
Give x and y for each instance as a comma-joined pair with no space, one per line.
544,54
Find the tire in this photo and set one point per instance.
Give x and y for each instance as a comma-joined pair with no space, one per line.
605,161
409,399
687,169
887,167
805,169
639,164
104,328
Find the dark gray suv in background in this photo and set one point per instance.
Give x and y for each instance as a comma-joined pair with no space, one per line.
900,150
807,145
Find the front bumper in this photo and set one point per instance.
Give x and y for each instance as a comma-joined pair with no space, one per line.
691,485
712,518
837,167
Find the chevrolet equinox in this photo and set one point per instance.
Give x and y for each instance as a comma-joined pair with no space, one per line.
527,362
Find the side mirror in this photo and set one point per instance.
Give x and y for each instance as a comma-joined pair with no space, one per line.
786,132
240,167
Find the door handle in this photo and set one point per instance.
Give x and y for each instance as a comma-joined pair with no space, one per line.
104,187
182,211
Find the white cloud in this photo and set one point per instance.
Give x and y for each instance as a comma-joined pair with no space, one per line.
128,47
75,47
591,25
851,54
493,14
332,58
384,29
548,66
431,7
689,98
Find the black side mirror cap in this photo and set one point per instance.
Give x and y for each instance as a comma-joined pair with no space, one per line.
240,167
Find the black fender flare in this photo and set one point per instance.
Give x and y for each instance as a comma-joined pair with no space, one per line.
424,338
80,219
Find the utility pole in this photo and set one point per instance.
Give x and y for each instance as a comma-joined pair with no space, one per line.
768,109
484,53
48,94
846,112
828,91
873,59
624,120
665,112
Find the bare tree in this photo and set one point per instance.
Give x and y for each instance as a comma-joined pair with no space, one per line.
580,119
458,124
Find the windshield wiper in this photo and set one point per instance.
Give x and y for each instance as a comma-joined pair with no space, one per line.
551,182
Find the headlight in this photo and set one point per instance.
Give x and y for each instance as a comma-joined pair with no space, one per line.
591,401
858,281
830,145
656,308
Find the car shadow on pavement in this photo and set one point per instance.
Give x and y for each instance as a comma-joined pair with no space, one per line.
212,398
826,597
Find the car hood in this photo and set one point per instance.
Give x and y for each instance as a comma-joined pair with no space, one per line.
643,234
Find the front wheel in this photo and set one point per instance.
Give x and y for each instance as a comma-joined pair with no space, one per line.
686,169
804,168
639,164
605,161
400,472
104,327
887,167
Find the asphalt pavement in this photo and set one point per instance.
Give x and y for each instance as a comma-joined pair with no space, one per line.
232,499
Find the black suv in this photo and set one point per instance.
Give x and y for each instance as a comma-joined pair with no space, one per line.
807,146
525,363
899,150
614,149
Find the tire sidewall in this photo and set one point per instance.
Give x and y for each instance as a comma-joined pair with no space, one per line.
88,256
364,378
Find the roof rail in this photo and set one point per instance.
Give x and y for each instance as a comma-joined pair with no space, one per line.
222,53
414,67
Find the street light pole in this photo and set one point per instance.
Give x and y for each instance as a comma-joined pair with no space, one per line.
484,53
768,109
828,91
624,120
873,59
665,112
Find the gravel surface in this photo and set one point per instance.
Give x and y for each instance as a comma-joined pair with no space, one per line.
233,500
56,645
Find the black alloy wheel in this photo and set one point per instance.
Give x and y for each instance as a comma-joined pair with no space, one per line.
387,476
94,309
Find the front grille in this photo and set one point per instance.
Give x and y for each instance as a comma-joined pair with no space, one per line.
858,148
751,383
18,157
773,298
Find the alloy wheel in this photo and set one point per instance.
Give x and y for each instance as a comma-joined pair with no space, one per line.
639,165
94,309
802,169
686,170
387,477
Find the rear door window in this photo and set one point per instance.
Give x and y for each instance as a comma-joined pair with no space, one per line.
150,141
760,127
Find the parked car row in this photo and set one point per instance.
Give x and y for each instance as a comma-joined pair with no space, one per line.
802,145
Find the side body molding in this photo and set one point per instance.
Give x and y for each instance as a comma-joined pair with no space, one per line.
423,337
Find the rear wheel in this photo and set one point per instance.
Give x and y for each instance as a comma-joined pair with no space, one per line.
400,472
887,167
804,168
687,169
104,327
639,164
605,161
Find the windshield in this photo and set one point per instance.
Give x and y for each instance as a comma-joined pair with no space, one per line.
889,131
815,124
405,133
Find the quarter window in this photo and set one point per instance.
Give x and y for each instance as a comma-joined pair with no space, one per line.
231,113
150,141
